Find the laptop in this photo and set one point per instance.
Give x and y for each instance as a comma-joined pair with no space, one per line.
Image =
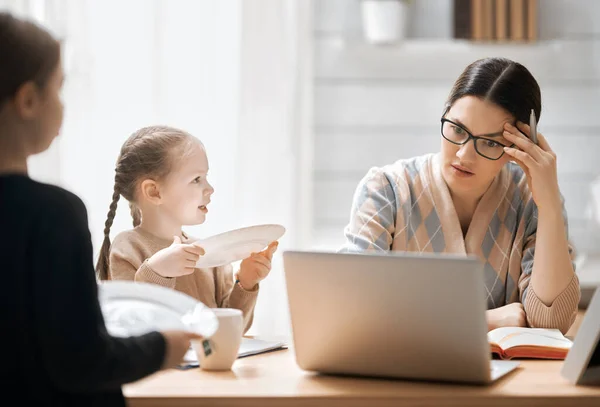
395,315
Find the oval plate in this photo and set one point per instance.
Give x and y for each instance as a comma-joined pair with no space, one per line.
238,244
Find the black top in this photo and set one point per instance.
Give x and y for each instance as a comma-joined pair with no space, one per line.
55,347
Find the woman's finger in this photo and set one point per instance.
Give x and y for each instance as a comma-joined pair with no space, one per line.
542,142
517,138
521,127
521,156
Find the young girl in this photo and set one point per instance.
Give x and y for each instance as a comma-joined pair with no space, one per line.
162,172
57,348
470,199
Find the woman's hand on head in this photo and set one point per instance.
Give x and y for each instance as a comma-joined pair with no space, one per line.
509,315
256,268
538,162
179,259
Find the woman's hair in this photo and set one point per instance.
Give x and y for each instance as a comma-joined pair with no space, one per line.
28,53
147,153
506,83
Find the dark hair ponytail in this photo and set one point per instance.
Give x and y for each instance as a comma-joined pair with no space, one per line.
506,83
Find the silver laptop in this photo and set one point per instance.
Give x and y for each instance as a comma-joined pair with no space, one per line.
396,315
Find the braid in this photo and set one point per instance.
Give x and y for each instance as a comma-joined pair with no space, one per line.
112,211
135,214
104,259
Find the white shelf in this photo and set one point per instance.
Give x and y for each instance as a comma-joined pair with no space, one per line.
415,59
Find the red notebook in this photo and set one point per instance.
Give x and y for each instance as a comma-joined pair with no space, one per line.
528,343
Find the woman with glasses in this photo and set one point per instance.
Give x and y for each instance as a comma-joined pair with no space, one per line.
489,192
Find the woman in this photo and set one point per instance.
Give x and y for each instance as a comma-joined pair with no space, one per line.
57,349
489,192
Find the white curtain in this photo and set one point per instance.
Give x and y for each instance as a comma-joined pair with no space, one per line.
274,137
234,73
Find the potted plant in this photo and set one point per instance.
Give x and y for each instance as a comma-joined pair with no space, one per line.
384,21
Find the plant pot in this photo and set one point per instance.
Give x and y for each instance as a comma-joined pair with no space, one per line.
384,21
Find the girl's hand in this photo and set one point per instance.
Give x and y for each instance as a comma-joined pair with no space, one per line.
509,315
256,268
538,162
176,260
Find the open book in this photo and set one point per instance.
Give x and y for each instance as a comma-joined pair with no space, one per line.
530,343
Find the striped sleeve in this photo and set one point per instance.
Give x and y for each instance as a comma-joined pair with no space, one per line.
562,312
373,215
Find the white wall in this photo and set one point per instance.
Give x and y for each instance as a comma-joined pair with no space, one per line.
374,105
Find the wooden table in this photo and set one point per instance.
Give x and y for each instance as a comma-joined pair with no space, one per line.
274,379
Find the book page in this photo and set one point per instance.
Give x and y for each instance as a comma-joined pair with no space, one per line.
510,337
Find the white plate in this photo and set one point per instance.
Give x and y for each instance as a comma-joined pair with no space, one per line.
237,244
135,308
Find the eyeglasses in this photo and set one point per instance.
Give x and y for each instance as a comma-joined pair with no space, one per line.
485,147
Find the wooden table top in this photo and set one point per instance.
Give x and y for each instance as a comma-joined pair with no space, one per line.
274,379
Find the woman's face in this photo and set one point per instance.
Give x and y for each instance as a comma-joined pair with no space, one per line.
467,173
37,112
50,116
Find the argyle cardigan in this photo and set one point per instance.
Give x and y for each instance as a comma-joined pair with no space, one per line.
406,206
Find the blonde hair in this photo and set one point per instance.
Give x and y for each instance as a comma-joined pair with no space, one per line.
147,153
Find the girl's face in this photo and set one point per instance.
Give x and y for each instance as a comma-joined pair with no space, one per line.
185,192
467,173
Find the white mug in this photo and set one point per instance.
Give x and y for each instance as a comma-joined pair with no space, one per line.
224,344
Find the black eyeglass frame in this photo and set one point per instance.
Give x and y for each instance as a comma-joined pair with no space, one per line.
470,137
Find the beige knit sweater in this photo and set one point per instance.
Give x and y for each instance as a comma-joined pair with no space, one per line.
213,287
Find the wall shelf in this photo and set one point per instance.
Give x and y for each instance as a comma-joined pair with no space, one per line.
415,59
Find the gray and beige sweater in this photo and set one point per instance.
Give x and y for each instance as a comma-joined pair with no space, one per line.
407,206
214,287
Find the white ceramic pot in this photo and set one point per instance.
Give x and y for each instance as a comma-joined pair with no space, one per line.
384,21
